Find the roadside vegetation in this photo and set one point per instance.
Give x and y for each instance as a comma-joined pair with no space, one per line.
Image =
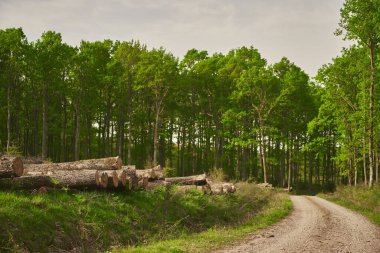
360,198
99,221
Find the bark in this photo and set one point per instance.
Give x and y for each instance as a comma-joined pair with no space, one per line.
26,182
44,122
11,167
79,179
8,117
155,184
310,171
290,168
31,160
131,176
155,137
143,183
371,116
191,180
77,133
110,163
364,162
377,167
263,150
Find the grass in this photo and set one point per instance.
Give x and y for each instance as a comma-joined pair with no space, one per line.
277,208
361,199
99,221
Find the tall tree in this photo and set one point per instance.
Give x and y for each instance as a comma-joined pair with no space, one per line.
359,21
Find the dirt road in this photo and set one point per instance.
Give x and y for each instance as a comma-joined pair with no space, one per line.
315,225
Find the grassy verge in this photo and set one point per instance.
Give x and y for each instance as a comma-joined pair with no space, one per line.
277,208
100,221
361,199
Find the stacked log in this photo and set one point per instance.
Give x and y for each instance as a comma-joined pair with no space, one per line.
190,180
110,163
11,167
26,182
106,173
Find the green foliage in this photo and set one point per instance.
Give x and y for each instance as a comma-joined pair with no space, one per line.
169,172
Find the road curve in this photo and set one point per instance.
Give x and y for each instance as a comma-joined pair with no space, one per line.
315,225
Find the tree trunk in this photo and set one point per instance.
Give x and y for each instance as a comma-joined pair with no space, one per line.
263,150
77,132
371,116
310,171
11,167
290,168
8,117
364,162
44,122
155,136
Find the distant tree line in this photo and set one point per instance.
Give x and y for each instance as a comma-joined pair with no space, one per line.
232,111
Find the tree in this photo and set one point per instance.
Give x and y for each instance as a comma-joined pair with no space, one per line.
13,46
157,72
359,21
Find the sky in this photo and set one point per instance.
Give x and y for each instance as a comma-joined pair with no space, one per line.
302,30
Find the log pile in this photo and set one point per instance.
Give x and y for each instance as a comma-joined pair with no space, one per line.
104,173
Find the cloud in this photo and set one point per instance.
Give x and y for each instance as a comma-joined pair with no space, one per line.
302,30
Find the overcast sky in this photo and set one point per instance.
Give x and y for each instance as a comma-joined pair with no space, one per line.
301,30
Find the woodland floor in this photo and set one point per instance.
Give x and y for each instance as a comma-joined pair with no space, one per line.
315,225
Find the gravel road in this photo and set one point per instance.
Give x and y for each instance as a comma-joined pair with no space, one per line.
315,225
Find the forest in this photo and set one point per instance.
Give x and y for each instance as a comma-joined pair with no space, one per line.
234,112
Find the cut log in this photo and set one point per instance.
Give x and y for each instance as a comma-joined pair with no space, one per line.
11,167
79,179
133,180
113,179
110,163
32,160
159,172
157,183
143,183
26,182
218,188
190,180
122,178
149,173
101,179
186,188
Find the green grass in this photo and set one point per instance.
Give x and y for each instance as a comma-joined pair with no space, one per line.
361,199
214,238
99,221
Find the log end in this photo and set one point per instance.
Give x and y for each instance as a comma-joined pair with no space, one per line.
115,179
118,164
103,180
123,178
18,166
